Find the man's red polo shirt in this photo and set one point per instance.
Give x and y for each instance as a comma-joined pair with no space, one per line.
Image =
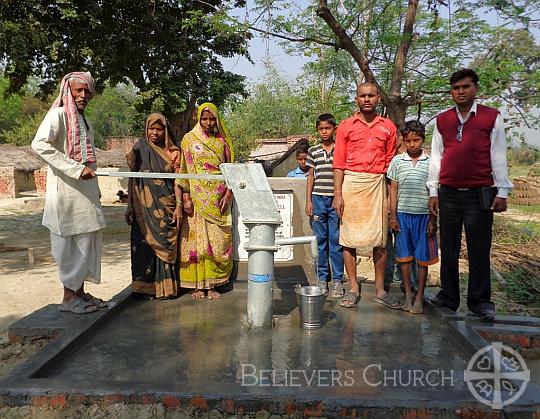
365,148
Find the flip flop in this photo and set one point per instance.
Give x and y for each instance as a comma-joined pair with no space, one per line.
388,301
98,302
78,306
337,290
350,300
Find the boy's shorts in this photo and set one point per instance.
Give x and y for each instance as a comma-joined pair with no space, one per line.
412,242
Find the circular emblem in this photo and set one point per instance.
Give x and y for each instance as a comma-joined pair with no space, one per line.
497,375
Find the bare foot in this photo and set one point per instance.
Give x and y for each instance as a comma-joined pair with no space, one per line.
213,295
418,307
407,305
197,294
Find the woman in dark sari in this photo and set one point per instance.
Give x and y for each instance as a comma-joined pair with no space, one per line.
153,213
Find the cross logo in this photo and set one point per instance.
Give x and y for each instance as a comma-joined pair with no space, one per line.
497,375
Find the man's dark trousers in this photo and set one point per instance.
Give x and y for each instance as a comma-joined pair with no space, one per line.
458,208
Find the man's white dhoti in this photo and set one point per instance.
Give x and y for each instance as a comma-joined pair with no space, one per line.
365,215
78,258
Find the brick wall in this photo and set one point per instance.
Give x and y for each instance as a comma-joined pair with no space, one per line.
8,188
40,179
120,143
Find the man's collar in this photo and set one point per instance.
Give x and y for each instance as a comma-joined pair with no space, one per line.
405,156
357,116
472,110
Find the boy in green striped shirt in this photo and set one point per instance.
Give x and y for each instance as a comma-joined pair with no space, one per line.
409,213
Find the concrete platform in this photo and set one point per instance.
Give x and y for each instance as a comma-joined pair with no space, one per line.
369,361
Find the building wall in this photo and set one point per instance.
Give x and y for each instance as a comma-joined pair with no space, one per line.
40,180
120,143
285,166
24,181
7,182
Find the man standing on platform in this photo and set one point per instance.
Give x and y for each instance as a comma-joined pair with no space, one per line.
72,212
468,182
365,145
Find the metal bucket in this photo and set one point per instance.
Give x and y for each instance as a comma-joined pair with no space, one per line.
311,301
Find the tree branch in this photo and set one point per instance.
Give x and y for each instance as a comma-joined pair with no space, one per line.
288,38
403,49
517,108
348,45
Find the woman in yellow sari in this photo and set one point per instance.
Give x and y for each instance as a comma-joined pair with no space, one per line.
206,232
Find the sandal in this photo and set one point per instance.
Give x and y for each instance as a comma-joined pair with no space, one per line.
388,301
98,302
78,306
350,300
337,290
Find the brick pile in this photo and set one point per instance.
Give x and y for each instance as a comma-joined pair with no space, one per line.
526,191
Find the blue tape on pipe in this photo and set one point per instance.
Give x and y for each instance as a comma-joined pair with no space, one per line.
260,278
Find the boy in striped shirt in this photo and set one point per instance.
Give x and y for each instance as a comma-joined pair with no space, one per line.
319,197
409,213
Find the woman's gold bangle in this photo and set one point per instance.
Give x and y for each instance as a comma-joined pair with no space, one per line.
179,202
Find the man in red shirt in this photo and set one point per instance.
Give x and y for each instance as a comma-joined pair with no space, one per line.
365,145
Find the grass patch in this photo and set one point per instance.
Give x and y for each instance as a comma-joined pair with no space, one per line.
508,232
516,290
515,256
526,209
518,170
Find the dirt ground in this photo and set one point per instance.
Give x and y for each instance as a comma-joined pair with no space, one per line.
26,288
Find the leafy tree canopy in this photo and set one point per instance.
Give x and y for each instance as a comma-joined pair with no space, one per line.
112,113
409,48
168,49
278,107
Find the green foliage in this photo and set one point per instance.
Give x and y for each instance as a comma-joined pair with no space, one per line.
169,50
529,209
509,71
517,290
112,114
24,118
10,107
277,108
440,43
271,111
515,255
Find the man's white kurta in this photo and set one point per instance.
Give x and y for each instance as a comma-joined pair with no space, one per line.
72,205
73,211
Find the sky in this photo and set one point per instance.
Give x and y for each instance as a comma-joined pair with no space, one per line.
261,50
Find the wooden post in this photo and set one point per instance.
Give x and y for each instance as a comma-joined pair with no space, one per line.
31,258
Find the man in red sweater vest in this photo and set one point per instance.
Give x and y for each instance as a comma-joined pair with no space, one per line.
468,182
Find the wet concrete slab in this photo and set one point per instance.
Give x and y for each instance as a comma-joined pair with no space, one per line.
369,357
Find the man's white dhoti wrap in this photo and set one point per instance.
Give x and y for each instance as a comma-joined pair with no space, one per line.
365,215
78,258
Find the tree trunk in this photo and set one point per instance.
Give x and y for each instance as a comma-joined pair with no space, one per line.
184,121
397,111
